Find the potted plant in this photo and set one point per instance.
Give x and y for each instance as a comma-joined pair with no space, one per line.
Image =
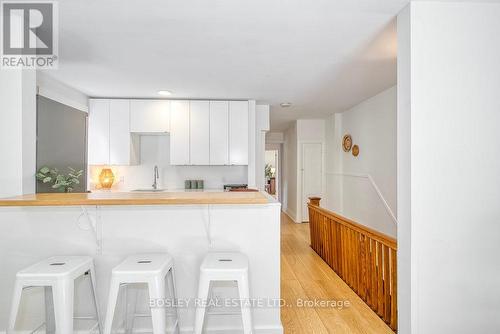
269,172
60,181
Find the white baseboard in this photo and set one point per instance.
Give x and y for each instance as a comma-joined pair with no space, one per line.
290,215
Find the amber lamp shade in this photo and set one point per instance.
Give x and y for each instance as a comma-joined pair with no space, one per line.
106,178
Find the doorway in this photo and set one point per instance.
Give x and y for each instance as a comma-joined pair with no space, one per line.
312,174
271,173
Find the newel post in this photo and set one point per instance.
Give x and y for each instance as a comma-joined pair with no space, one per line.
314,200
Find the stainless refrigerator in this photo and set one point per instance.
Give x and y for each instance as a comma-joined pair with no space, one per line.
61,140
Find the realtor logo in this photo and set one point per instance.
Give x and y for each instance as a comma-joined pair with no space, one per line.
29,34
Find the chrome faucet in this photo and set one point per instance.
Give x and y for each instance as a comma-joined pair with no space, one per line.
156,177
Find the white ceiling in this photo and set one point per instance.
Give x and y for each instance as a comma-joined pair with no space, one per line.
323,56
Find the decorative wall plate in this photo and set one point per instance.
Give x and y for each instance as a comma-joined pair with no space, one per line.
347,143
355,150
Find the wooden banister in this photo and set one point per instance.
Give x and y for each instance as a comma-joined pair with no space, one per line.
314,200
364,258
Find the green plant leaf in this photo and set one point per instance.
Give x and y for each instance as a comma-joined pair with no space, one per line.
44,170
47,179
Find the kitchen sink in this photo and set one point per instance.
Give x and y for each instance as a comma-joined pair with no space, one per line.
151,190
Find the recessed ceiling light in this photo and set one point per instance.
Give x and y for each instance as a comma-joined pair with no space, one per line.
285,104
164,92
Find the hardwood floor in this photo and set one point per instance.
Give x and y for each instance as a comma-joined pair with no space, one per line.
305,276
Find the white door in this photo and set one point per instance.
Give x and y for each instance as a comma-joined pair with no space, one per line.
312,174
238,132
179,133
219,133
98,132
199,124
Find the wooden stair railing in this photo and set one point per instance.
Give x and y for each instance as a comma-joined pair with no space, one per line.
364,258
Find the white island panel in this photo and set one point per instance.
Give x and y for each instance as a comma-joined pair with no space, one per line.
30,234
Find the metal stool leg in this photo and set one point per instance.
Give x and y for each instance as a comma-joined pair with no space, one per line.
158,314
63,293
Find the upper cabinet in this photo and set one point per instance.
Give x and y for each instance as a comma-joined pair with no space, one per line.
150,116
238,132
179,133
98,132
219,133
199,132
109,138
123,147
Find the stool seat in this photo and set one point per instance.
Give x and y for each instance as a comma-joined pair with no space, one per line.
144,264
224,266
57,267
57,275
156,271
224,261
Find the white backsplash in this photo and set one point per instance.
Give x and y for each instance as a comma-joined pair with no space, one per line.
155,151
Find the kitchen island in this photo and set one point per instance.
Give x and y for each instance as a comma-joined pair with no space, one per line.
110,226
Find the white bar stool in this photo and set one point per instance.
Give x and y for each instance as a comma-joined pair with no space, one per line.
58,274
150,269
224,266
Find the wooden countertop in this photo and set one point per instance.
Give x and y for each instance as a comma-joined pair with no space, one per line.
135,198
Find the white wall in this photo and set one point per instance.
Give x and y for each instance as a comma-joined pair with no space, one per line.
290,172
404,264
155,151
275,137
18,89
17,132
271,158
308,131
363,188
333,199
62,93
301,131
449,78
252,141
262,119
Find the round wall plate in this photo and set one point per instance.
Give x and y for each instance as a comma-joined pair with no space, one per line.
355,150
347,143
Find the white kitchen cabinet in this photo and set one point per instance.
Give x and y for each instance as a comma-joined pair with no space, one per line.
238,132
123,147
179,133
109,138
199,132
98,132
149,116
219,133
